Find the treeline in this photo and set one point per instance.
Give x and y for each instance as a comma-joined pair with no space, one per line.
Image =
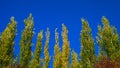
107,39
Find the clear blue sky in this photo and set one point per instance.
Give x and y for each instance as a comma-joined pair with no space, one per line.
49,13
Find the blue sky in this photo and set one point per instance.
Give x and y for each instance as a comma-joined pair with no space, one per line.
52,13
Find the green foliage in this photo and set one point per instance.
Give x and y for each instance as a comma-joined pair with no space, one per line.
57,53
36,60
7,43
65,48
75,62
46,52
108,40
87,46
26,42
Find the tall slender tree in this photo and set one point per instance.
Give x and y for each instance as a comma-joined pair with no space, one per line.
115,56
26,42
36,60
57,53
46,52
65,48
7,43
87,46
75,62
0,42
108,40
0,38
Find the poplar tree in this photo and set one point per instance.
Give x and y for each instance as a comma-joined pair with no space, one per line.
0,39
26,42
108,40
46,52
7,43
75,62
57,53
0,43
65,48
87,46
115,56
36,60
